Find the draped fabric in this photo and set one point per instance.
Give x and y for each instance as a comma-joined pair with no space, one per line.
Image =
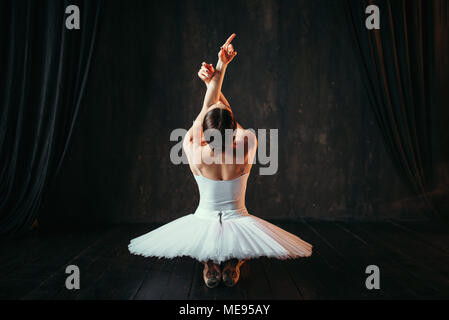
44,68
397,62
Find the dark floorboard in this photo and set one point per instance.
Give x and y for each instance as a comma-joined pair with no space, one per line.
393,284
413,259
421,277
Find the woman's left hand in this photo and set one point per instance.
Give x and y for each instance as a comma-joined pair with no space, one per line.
227,53
206,72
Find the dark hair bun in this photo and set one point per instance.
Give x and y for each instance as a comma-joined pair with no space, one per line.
219,119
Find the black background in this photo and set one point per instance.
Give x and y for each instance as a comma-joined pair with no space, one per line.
296,71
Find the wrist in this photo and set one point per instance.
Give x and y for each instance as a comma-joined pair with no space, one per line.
221,66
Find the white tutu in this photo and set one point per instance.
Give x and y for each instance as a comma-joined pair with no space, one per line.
220,229
220,236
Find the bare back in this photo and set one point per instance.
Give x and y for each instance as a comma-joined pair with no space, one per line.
227,165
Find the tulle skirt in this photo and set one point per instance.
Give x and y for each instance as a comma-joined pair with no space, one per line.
220,236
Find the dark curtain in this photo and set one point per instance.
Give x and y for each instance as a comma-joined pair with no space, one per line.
397,61
44,68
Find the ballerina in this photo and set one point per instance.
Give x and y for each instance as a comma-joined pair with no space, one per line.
221,233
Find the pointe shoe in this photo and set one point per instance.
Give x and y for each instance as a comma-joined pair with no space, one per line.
211,274
231,272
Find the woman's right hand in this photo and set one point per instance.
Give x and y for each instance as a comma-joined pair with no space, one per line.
227,53
206,72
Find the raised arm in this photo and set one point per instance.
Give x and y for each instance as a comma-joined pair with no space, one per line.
206,73
225,56
224,100
213,92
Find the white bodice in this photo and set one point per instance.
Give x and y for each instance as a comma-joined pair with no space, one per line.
222,194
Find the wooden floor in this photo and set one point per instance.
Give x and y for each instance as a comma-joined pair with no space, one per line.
413,259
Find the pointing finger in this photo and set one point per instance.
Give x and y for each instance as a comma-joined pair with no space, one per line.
229,39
